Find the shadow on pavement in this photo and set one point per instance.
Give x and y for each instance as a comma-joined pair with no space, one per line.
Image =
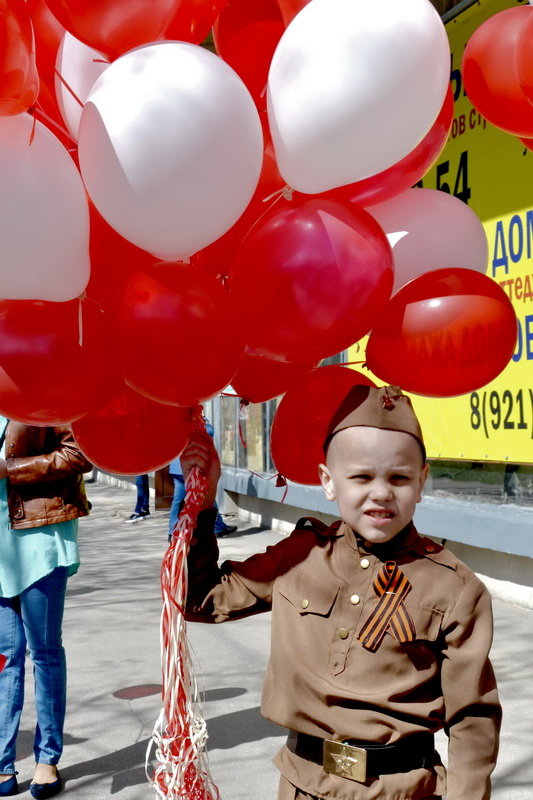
238,727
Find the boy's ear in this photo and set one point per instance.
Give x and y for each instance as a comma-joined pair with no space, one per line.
327,482
423,478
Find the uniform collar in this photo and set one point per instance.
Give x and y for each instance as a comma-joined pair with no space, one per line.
407,539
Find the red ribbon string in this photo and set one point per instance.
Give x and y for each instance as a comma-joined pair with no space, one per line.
68,88
278,477
36,111
180,733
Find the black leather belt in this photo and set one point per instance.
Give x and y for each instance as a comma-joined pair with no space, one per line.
359,761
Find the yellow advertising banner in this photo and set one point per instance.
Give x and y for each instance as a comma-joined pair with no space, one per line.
492,171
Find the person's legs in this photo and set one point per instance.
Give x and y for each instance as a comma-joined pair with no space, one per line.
221,528
143,495
13,648
177,497
42,607
220,525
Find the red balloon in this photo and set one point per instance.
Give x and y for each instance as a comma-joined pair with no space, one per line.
490,74
217,257
246,35
309,279
114,26
19,81
289,8
302,419
178,309
528,143
132,435
48,33
406,172
193,20
260,379
524,57
114,261
444,333
54,366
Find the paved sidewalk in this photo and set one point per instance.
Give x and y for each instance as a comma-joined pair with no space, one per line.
111,633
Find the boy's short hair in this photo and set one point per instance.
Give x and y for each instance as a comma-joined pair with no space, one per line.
385,407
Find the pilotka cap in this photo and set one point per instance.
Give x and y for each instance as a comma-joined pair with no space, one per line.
385,407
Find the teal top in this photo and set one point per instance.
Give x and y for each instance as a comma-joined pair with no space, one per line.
29,554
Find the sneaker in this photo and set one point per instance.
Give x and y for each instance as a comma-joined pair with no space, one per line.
227,530
137,517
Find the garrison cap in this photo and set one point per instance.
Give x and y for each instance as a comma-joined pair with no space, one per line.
385,407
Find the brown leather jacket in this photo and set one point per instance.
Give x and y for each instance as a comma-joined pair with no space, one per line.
44,475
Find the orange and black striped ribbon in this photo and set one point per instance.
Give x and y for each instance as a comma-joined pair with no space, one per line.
390,614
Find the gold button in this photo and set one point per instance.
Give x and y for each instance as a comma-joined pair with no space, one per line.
430,548
343,633
355,599
304,603
365,563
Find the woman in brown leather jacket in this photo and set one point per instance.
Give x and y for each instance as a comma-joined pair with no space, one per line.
41,497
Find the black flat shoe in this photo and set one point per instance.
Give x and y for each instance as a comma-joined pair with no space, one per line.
43,790
10,787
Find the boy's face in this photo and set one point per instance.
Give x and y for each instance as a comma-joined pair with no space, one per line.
376,476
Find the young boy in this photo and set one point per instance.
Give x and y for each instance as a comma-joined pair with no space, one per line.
380,637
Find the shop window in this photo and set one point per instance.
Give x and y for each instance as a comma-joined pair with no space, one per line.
482,481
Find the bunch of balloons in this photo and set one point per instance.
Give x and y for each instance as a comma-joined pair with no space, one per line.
498,71
176,218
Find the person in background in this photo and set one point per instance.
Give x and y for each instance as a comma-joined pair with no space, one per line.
176,473
41,498
142,506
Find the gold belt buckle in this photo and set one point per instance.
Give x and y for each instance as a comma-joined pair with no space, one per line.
345,760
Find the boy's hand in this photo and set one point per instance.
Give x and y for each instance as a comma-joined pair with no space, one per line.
200,452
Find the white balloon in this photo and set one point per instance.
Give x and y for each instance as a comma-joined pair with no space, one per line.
44,215
353,87
170,147
429,230
78,66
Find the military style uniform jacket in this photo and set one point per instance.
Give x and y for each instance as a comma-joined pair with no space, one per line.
321,680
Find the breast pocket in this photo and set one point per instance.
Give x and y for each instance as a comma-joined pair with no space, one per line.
307,594
427,622
399,668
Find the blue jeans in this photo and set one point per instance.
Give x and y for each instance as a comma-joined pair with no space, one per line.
177,497
143,494
34,618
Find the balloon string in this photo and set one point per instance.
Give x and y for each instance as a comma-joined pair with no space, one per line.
280,481
80,321
32,134
180,733
352,363
286,192
37,110
68,88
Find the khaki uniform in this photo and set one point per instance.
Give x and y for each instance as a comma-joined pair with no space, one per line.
321,681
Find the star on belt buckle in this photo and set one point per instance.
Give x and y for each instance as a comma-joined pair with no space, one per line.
344,760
